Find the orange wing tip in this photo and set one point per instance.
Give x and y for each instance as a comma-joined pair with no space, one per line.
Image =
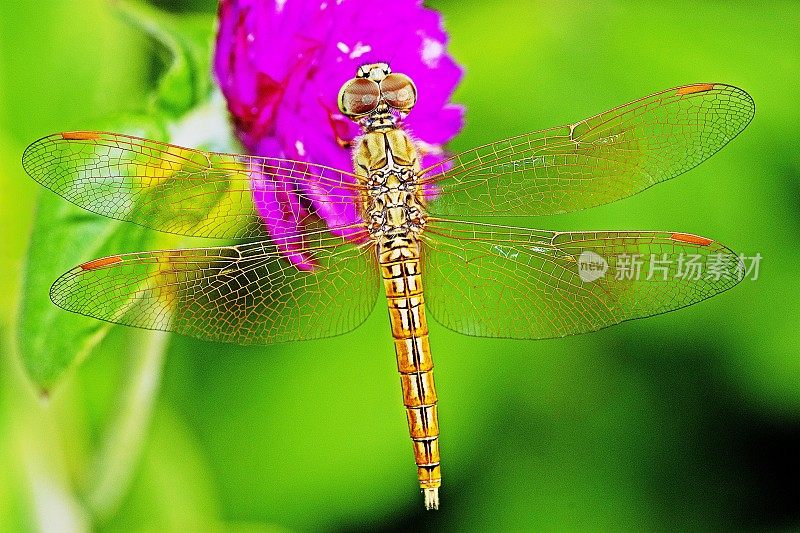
696,88
100,263
691,239
80,135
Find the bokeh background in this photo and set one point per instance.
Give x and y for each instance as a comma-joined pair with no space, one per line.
689,420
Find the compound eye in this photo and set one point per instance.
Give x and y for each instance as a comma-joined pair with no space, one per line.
359,97
399,91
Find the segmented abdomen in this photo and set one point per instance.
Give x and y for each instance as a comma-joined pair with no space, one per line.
399,260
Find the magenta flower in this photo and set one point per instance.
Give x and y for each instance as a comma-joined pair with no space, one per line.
280,65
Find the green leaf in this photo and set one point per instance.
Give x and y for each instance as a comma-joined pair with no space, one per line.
188,40
64,235
52,340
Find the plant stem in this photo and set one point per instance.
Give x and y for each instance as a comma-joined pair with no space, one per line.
114,464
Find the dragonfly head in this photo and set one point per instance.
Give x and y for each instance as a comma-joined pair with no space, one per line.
374,71
375,89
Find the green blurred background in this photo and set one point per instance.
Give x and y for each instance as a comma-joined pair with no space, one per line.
685,421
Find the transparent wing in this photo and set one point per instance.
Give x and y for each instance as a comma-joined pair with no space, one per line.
181,190
246,294
598,160
500,281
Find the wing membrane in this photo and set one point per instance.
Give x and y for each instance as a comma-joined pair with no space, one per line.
596,161
499,281
246,294
181,190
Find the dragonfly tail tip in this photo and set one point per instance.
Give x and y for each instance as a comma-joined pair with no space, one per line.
432,498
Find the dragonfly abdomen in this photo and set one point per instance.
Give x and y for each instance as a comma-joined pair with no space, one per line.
399,258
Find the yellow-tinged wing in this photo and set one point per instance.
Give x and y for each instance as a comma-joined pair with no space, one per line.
182,190
501,281
245,294
595,161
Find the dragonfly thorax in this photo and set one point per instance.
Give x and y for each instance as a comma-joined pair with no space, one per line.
393,205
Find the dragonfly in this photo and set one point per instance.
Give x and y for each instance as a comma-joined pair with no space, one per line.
413,225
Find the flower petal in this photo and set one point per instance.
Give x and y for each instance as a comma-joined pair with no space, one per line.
280,65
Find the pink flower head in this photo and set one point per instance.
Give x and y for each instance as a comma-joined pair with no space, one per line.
280,65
